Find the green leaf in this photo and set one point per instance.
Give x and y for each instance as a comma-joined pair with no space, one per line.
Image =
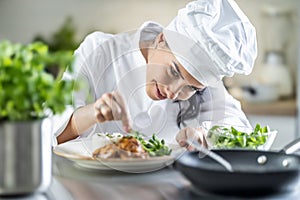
224,137
153,146
26,89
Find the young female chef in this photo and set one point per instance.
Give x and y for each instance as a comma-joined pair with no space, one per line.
160,80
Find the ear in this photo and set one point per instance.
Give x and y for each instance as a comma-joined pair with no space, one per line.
160,41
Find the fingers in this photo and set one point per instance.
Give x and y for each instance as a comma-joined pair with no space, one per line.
111,106
98,107
114,111
193,134
182,136
106,109
202,136
125,117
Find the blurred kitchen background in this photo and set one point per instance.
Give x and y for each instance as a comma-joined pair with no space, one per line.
269,95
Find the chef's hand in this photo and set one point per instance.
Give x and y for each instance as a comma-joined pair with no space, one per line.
196,134
111,107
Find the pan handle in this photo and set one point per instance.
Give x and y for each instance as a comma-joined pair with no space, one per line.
291,147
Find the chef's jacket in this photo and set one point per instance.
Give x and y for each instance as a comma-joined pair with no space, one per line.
106,62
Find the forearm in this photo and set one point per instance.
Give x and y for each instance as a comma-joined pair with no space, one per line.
81,120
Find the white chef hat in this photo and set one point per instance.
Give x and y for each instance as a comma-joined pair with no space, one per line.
212,39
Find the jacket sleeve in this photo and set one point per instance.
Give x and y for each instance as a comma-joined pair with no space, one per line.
82,74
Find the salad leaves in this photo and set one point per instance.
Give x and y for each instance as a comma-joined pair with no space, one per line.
230,137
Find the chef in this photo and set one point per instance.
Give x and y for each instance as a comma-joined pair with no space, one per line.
162,80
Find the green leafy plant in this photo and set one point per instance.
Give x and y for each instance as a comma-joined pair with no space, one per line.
230,137
63,39
27,91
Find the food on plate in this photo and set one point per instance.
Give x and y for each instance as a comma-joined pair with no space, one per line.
153,146
125,147
133,145
231,137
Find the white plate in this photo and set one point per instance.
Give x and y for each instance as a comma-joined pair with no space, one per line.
80,152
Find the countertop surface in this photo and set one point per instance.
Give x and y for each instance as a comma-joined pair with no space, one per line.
286,107
73,183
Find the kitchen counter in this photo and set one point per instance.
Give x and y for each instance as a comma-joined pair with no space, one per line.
286,107
72,183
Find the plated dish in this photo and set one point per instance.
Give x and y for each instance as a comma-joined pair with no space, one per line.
82,153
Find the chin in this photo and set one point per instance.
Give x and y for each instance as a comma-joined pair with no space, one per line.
151,95
150,90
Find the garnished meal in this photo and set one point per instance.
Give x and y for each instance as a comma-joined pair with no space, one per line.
231,137
133,145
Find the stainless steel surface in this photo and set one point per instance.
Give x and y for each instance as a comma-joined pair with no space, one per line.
297,132
89,184
26,157
211,154
72,183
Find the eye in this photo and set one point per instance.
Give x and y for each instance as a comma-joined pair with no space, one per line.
174,72
195,89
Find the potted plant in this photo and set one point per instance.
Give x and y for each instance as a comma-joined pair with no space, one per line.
28,96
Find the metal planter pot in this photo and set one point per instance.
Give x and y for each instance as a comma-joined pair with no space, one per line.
25,157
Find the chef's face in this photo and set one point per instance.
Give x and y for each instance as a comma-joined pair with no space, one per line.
166,77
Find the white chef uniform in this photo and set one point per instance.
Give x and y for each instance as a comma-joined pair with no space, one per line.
106,62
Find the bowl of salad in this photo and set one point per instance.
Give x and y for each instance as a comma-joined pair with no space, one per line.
234,137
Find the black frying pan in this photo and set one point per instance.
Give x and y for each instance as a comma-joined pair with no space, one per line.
255,172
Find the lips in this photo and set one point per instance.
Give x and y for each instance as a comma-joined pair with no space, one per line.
159,94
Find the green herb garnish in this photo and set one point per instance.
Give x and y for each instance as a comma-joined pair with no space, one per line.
154,146
224,137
